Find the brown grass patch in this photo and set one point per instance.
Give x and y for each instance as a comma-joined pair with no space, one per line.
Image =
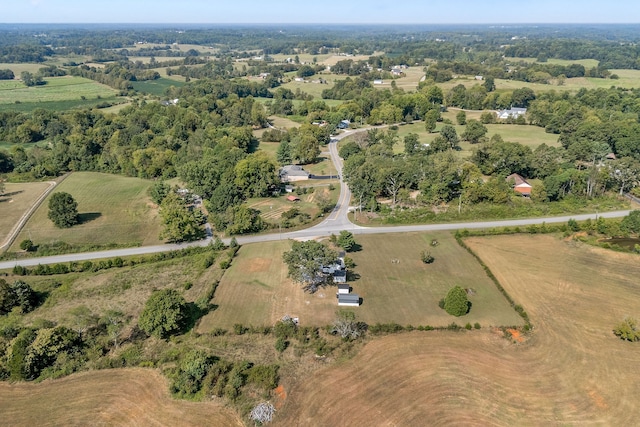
123,397
259,265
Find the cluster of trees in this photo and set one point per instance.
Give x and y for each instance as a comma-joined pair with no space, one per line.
18,294
305,261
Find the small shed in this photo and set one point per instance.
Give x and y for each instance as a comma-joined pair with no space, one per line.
344,288
352,300
293,198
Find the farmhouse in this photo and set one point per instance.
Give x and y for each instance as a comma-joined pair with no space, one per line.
512,112
340,276
520,184
290,173
352,300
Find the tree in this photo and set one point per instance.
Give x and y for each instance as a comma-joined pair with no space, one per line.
430,120
461,118
180,223
158,191
27,245
346,241
411,142
474,132
283,153
631,223
449,133
627,330
346,327
63,210
114,321
164,313
489,84
305,261
82,319
256,175
456,302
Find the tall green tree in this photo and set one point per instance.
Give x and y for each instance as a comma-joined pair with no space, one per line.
63,210
164,313
474,132
305,261
255,175
180,223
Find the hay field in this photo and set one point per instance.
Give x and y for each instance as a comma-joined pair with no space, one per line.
571,371
57,89
15,202
113,209
123,397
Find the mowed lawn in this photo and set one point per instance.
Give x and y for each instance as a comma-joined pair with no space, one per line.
15,202
131,397
572,370
57,89
256,290
112,208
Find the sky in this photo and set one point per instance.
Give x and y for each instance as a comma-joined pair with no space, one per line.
325,11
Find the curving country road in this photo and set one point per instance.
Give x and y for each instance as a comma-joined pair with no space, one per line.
335,222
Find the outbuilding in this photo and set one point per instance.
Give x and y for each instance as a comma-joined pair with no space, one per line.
352,300
343,288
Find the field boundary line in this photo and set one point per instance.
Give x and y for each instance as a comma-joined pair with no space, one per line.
25,217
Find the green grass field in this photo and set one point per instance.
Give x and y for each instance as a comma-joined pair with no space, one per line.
113,209
256,290
627,79
57,89
156,87
16,200
531,136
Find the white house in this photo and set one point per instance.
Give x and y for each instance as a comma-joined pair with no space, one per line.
512,112
343,288
291,173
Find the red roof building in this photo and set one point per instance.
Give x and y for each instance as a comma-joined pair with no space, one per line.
520,184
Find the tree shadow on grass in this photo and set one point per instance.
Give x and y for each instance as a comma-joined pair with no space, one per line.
4,197
85,217
195,313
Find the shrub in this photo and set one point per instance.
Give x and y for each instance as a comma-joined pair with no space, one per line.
456,302
239,329
281,344
627,330
426,257
476,325
27,245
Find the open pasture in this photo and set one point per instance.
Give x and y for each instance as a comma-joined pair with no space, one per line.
531,136
57,89
394,284
112,208
124,397
572,370
156,87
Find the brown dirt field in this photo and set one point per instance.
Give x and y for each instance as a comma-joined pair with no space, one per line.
571,371
122,397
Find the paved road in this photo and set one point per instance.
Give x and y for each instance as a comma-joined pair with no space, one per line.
336,221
